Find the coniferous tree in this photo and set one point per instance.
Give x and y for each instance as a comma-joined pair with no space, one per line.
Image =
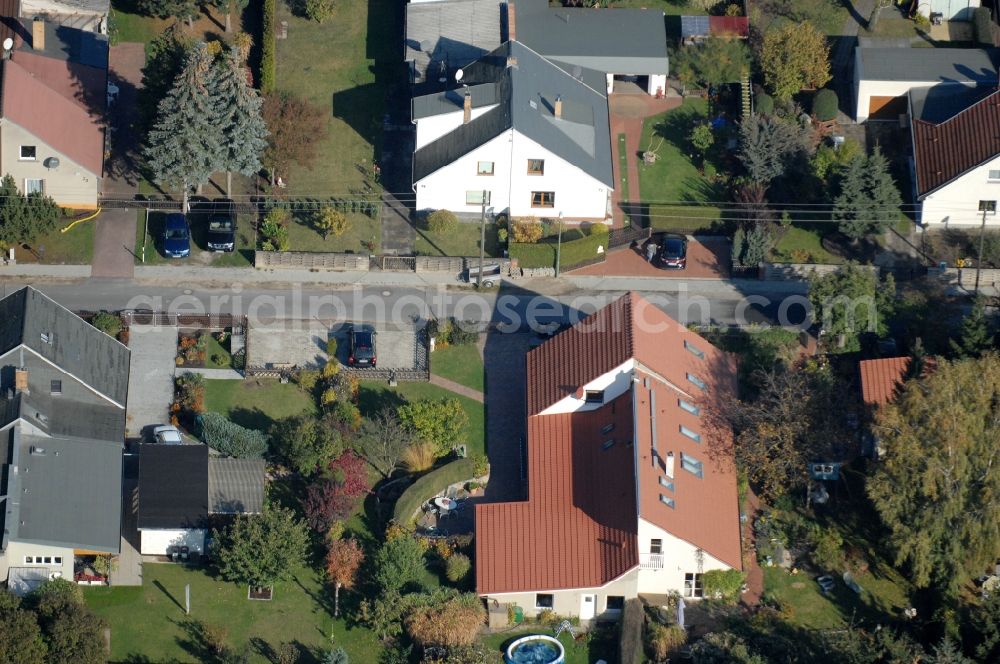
184,146
884,193
849,207
974,337
869,200
243,132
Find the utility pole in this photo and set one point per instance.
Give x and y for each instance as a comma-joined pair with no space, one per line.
482,241
979,260
559,246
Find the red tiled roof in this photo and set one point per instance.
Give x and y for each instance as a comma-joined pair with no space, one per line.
49,98
729,25
946,150
881,379
578,527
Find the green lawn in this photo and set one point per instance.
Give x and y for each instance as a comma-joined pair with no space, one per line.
463,241
802,243
673,182
462,364
827,15
373,396
256,402
130,25
149,625
802,600
215,349
151,235
344,66
302,236
668,7
74,247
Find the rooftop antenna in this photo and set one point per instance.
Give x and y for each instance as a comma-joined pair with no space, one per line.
8,44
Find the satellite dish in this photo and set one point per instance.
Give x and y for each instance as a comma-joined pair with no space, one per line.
52,162
458,75
8,44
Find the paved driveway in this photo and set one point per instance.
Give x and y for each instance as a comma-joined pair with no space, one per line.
151,379
304,345
707,258
114,243
505,409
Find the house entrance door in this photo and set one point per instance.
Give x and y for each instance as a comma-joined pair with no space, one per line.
587,606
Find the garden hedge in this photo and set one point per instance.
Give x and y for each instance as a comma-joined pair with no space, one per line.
429,486
267,49
577,250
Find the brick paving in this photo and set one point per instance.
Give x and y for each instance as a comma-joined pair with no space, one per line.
707,258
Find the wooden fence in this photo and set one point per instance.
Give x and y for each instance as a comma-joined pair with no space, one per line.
305,260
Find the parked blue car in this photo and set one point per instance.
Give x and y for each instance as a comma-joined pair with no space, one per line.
176,236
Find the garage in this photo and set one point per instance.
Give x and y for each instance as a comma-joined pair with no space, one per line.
886,108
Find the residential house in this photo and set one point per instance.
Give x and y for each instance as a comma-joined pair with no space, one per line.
54,92
181,487
631,489
524,135
881,379
884,76
63,391
956,155
444,35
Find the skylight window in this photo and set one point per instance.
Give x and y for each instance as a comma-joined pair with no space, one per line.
608,444
697,381
690,433
608,428
692,465
666,484
689,407
669,502
694,350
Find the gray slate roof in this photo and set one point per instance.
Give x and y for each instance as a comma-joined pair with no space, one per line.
616,41
67,43
452,32
235,486
449,101
938,103
74,346
173,486
955,65
69,492
526,92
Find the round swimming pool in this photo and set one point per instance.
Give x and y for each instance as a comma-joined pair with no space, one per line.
535,649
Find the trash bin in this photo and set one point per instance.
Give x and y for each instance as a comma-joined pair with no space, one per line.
518,615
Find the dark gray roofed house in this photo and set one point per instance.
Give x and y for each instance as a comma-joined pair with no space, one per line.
525,87
235,486
446,34
942,65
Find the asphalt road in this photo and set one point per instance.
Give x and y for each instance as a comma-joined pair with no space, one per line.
705,303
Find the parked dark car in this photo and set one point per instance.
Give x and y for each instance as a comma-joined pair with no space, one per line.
176,236
672,252
222,230
362,350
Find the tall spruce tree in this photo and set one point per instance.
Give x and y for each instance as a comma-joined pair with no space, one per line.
974,336
869,200
884,193
243,132
849,207
184,147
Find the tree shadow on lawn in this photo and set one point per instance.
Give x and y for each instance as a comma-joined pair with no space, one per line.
373,399
252,418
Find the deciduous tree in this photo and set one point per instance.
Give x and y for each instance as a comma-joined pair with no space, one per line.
343,560
794,56
305,444
350,471
184,147
295,127
713,62
71,631
262,548
701,138
440,422
330,221
383,440
238,105
325,503
20,636
850,302
937,488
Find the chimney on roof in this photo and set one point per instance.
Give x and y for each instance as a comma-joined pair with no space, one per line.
511,22
670,465
557,111
467,107
38,34
21,379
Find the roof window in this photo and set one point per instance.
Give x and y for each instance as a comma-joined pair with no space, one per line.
690,433
694,350
697,381
689,407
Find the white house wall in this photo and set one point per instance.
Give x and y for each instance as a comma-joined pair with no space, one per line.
578,196
71,185
678,558
567,602
431,128
14,554
154,542
957,203
614,384
657,83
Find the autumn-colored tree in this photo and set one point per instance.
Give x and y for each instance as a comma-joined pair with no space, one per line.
936,487
325,503
295,126
330,221
794,56
343,560
350,472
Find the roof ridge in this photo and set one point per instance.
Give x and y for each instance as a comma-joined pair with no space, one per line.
557,67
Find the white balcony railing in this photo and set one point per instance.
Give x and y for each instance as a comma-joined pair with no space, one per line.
651,561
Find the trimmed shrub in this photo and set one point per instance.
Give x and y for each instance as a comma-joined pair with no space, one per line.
457,567
724,585
231,439
765,104
442,221
318,10
440,422
429,486
268,47
598,229
825,105
527,231
981,21
108,323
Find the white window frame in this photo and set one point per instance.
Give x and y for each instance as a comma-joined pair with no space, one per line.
693,584
552,601
475,197
41,185
991,177
656,546
989,207
21,156
694,350
666,500
480,170
57,560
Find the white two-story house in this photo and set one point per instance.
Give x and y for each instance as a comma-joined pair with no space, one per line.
525,135
631,490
